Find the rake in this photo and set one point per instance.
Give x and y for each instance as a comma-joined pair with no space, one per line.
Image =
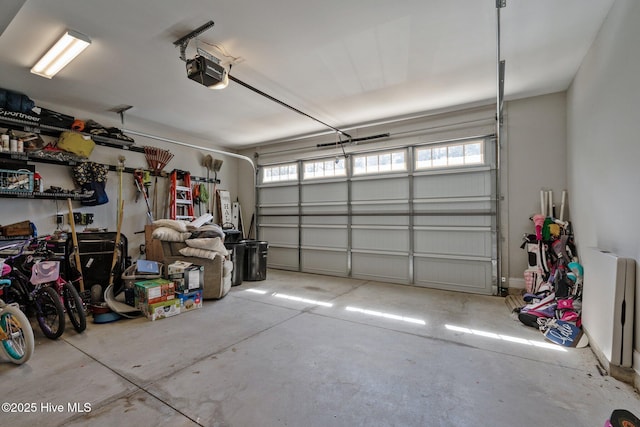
157,158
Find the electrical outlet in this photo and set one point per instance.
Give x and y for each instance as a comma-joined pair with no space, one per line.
59,219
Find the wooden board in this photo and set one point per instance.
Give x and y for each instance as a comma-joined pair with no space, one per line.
225,207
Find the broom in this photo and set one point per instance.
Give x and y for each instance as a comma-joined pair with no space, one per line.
157,159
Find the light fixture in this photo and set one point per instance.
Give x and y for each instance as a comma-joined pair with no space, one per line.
70,45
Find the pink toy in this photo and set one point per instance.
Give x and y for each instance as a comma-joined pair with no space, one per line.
538,220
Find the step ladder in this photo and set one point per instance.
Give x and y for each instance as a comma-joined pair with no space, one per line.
181,204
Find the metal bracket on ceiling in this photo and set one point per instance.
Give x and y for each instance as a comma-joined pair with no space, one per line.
184,40
120,109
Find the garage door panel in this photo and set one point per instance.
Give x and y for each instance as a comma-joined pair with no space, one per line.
327,192
399,207
453,241
333,263
483,204
381,220
325,237
270,210
279,195
453,274
278,220
453,220
392,188
380,267
280,235
282,258
325,220
326,208
379,238
464,184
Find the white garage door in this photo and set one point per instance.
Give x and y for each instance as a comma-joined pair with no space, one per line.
421,215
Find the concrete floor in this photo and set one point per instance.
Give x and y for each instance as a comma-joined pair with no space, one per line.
308,350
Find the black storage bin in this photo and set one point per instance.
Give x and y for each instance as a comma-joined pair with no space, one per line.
232,236
255,260
237,250
96,256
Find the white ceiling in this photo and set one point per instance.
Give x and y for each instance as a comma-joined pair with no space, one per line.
344,62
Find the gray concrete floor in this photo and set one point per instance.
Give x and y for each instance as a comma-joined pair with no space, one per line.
308,350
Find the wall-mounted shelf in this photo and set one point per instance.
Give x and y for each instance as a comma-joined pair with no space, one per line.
42,195
25,125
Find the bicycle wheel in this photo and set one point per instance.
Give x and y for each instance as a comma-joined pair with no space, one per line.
20,343
50,313
74,306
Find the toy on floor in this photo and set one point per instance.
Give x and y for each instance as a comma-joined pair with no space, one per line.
622,418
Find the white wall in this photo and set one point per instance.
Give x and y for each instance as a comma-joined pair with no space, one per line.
536,159
42,212
603,150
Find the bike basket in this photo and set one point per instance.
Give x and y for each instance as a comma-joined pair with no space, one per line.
45,271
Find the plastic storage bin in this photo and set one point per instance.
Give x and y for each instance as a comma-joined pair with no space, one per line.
255,260
237,254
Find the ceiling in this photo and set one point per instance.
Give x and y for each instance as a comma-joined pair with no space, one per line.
346,63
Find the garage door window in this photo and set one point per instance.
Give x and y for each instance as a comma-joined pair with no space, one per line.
470,153
391,161
324,168
280,173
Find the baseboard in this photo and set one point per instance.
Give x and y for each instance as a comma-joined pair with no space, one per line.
627,375
516,285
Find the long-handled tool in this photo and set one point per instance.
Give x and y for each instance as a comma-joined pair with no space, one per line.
76,251
120,169
157,159
137,178
116,249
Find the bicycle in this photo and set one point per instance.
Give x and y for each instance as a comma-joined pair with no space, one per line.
38,299
46,271
16,334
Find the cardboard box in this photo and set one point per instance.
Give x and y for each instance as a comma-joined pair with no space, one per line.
190,278
177,267
162,309
153,291
189,300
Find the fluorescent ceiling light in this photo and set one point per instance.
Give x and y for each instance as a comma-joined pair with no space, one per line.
64,51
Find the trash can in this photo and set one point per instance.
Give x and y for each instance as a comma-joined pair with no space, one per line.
237,250
232,236
255,260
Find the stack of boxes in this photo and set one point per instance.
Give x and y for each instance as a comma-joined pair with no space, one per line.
188,279
165,297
